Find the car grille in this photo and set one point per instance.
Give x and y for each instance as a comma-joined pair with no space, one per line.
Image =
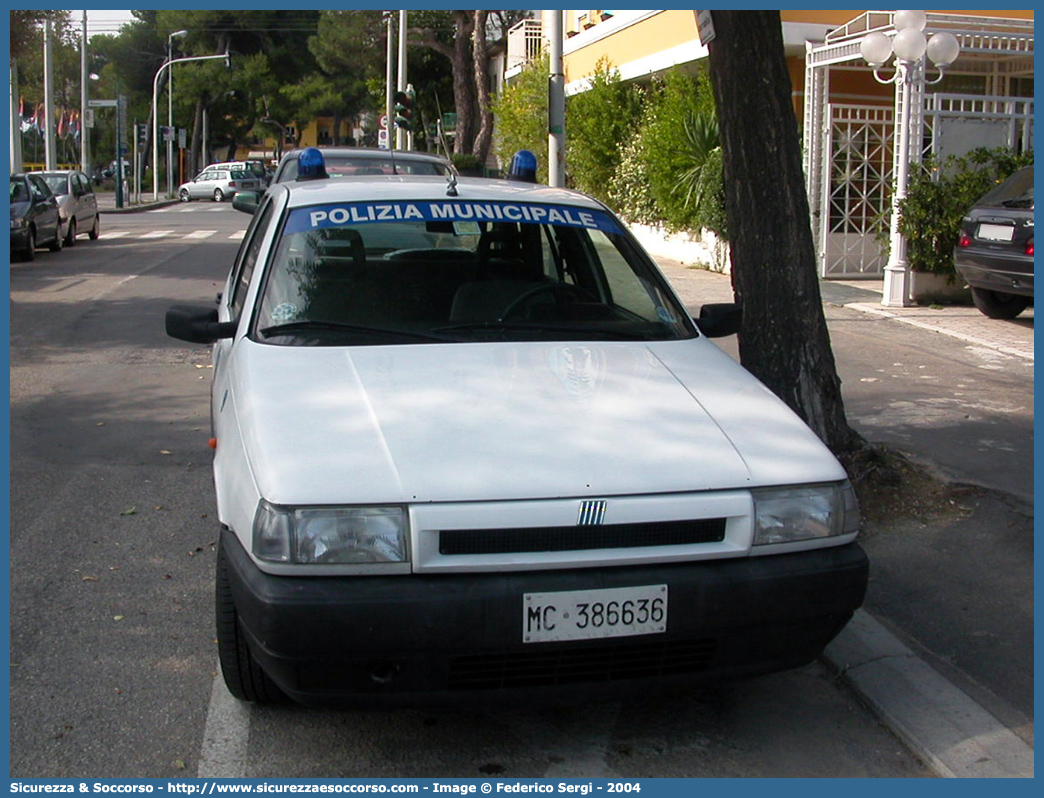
605,662
579,538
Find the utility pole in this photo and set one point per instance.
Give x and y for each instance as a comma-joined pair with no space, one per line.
50,158
16,122
556,106
389,91
85,153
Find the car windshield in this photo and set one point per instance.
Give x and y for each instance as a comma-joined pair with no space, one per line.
59,183
379,273
349,165
19,193
241,175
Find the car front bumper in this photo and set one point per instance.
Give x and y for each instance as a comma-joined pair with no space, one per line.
458,637
19,239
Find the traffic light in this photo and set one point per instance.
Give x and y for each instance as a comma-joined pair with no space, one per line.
404,101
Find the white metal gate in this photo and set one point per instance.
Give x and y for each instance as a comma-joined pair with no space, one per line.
849,147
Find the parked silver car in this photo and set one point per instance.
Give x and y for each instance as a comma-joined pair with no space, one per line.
218,185
77,204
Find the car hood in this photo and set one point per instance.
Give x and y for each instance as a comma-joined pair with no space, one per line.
485,422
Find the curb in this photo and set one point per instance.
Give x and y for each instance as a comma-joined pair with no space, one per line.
147,206
954,735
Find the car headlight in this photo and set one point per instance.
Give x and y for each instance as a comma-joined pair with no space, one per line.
18,223
806,512
331,535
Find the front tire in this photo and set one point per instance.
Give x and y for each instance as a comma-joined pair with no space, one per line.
70,234
183,195
219,195
243,676
29,251
95,229
997,305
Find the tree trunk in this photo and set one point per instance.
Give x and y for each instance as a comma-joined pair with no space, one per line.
480,57
783,339
463,83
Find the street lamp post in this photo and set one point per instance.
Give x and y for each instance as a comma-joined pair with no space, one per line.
155,117
170,108
909,46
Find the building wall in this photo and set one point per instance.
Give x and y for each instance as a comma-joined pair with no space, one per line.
643,43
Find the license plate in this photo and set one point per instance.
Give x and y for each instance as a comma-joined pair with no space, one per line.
996,232
593,614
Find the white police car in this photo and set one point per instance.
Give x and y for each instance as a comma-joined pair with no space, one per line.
468,442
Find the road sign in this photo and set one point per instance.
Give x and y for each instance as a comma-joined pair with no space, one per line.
101,103
382,123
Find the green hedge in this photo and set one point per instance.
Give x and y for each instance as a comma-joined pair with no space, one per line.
653,154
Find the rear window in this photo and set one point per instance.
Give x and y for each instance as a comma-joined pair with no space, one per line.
59,183
348,166
410,272
242,175
1016,191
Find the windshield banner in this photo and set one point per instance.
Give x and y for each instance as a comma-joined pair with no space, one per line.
339,215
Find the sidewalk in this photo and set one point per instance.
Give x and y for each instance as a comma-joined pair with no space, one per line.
952,731
107,203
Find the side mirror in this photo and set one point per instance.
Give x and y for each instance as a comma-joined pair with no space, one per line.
246,201
719,320
197,325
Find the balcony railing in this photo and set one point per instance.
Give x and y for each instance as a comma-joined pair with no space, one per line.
524,43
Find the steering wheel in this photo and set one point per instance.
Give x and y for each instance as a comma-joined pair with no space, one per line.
571,293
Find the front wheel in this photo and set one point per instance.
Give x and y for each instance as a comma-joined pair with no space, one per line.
70,234
243,676
183,195
219,195
95,230
997,305
29,251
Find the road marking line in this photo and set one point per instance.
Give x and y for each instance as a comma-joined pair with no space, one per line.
201,234
115,234
226,735
157,234
237,236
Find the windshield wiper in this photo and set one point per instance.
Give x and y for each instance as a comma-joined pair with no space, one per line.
336,326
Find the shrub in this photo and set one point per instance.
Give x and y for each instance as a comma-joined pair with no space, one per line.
599,123
680,147
521,114
629,192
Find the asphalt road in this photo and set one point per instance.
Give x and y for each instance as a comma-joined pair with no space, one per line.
113,665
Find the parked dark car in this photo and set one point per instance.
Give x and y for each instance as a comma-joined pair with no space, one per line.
34,216
77,204
994,254
351,161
